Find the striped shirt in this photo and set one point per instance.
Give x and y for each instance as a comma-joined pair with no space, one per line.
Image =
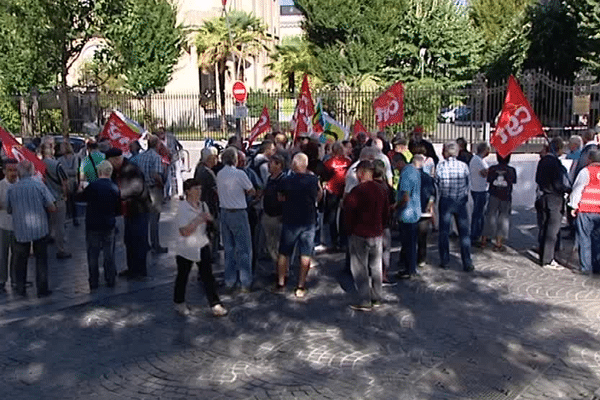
151,164
452,178
27,201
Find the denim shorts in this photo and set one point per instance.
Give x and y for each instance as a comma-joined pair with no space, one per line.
302,236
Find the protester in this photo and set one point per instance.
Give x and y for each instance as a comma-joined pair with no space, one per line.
408,204
103,200
585,205
254,208
478,168
386,244
428,196
417,140
193,245
150,163
336,168
7,234
589,144
232,186
501,178
29,201
135,206
87,168
464,154
273,207
56,180
174,166
70,164
260,162
204,175
428,164
366,212
452,179
300,192
552,180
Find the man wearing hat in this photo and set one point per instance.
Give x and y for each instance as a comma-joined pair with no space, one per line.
135,201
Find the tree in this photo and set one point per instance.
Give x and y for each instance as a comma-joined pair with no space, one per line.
290,61
143,45
350,39
240,37
493,17
587,14
436,41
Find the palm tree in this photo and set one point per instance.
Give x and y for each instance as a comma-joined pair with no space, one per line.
291,60
219,40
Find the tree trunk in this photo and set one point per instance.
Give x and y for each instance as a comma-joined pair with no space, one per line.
148,112
222,97
25,117
64,101
35,108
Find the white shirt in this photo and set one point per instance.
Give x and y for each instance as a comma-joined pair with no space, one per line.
478,182
351,178
582,180
6,221
189,246
232,184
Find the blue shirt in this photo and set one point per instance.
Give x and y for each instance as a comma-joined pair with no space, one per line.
151,164
27,201
410,182
103,204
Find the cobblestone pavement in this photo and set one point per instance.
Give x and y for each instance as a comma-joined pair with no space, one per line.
510,330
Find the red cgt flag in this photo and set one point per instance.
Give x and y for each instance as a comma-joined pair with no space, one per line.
517,123
263,125
389,107
305,109
16,150
119,133
359,128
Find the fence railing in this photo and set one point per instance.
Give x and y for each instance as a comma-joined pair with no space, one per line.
444,113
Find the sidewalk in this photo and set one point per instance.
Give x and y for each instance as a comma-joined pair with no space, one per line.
510,330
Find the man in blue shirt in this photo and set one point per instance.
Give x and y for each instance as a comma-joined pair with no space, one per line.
409,213
29,201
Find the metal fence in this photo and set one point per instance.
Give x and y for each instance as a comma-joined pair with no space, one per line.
445,113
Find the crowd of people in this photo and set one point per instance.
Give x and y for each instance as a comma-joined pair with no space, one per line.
289,199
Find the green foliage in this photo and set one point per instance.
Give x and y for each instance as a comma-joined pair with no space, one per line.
493,17
587,14
257,99
144,44
9,112
290,61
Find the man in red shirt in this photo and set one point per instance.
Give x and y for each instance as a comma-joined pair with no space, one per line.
366,211
335,169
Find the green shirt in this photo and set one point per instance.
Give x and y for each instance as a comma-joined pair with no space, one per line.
88,169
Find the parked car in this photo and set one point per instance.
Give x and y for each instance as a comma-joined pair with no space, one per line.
453,114
77,143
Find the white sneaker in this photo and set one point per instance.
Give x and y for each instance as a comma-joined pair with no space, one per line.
554,265
183,309
219,311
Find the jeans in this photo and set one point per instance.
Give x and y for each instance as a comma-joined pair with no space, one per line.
136,243
57,225
365,263
550,216
497,222
408,254
184,266
40,251
449,207
237,243
156,197
588,227
7,243
386,250
104,241
477,218
422,232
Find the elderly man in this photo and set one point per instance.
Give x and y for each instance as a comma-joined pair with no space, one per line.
367,210
208,180
151,165
300,193
452,179
478,180
29,201
103,205
136,204
232,186
589,144
7,234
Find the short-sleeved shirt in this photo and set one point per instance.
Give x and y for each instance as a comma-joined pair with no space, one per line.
336,168
27,201
452,178
232,184
190,246
54,177
502,178
103,199
87,167
410,182
151,164
478,182
300,204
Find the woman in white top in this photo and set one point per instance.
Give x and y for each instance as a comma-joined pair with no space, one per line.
193,246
